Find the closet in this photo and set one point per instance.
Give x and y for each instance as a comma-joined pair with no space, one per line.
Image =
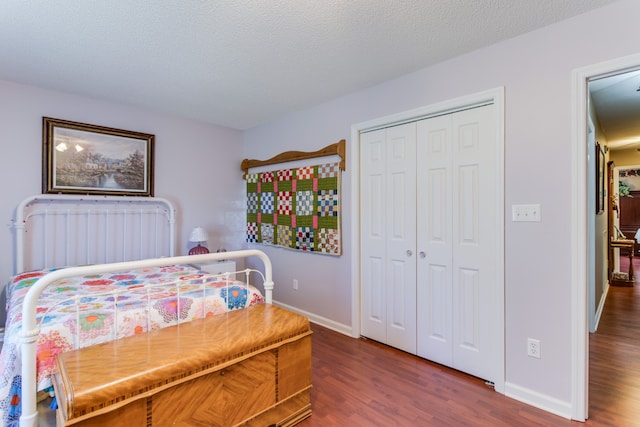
429,217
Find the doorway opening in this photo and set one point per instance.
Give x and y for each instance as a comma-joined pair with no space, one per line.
583,230
613,143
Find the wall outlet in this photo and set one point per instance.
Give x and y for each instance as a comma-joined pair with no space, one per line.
533,348
295,284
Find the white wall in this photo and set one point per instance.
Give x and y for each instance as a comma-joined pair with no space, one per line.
536,71
197,165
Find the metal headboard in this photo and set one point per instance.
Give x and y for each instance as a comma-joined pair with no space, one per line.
56,230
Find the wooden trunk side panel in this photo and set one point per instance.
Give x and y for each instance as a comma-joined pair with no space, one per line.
294,367
133,414
222,398
63,393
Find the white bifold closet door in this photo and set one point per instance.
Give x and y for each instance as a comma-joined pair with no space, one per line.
456,293
388,236
428,240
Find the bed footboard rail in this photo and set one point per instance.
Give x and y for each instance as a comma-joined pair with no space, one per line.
30,329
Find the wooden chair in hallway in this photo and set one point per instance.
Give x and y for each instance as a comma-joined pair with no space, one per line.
624,279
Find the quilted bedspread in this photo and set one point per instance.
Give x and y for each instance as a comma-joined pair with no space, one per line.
83,311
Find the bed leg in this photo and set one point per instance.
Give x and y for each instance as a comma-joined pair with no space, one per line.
29,420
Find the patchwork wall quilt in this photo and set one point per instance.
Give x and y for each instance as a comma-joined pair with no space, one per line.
296,208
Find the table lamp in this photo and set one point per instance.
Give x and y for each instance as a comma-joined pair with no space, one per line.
198,235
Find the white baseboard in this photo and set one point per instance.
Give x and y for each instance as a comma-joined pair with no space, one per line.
598,313
538,400
322,321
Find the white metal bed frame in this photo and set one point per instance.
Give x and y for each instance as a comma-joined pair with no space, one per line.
101,229
78,207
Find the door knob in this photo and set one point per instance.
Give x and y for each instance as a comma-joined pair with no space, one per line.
409,253
422,254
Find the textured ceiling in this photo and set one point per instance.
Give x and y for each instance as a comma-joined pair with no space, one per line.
240,63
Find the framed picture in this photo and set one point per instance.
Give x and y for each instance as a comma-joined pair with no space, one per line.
629,180
600,179
79,158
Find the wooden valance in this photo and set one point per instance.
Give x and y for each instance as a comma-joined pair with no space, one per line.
339,148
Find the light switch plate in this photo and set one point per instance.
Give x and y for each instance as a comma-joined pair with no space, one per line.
525,213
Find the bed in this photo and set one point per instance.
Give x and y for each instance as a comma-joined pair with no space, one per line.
126,284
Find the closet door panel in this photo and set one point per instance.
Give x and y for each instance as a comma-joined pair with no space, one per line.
401,242
398,296
474,241
375,300
388,217
435,326
373,235
467,206
468,310
434,240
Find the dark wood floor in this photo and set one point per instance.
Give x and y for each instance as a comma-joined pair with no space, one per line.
357,382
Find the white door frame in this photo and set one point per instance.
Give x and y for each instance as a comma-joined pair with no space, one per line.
580,230
493,96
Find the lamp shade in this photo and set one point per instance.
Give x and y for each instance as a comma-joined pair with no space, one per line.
198,234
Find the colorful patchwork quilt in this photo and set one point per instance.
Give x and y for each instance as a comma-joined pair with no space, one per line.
83,311
296,208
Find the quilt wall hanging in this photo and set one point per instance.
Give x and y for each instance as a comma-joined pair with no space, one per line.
298,207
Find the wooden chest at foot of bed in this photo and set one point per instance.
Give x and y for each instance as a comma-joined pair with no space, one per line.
246,367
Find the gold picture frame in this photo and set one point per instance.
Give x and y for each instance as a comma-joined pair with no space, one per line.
600,179
80,158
